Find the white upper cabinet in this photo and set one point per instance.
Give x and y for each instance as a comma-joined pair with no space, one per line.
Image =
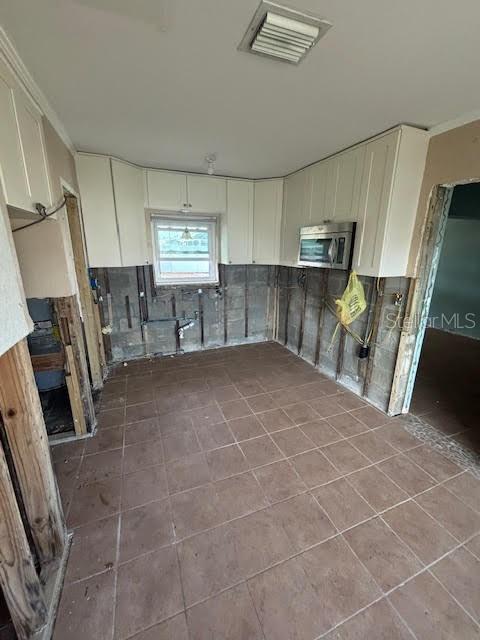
206,194
267,221
317,197
237,225
296,214
343,185
23,161
98,210
128,186
166,190
390,188
171,191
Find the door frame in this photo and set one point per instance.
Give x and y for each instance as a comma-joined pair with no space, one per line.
420,296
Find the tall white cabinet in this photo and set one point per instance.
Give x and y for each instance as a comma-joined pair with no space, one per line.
392,178
98,210
237,224
267,221
128,185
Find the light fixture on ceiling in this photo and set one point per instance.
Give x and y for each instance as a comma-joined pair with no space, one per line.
282,33
211,159
186,235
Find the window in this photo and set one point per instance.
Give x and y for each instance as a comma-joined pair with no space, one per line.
185,250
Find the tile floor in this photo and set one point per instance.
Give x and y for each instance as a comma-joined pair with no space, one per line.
238,494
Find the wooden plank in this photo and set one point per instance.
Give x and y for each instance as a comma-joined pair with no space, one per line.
27,437
48,361
377,315
71,332
302,315
18,579
321,310
74,392
93,340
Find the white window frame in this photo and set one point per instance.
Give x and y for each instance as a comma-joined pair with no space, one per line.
213,226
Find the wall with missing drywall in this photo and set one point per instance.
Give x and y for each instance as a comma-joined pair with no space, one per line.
307,326
249,303
147,320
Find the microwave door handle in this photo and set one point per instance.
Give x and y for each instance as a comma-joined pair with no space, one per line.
332,250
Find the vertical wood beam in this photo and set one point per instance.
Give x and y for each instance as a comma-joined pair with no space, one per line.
321,310
71,332
377,316
18,579
93,339
27,437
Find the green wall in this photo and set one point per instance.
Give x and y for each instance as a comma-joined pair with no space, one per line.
457,286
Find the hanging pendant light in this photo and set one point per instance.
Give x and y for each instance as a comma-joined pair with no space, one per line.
186,235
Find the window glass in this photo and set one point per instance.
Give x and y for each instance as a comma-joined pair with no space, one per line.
185,250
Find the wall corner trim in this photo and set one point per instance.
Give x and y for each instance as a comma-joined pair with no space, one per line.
28,84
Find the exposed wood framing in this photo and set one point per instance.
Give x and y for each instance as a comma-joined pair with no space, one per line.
74,392
287,310
71,333
411,333
321,311
377,316
27,437
90,318
48,361
223,286
302,315
341,344
18,579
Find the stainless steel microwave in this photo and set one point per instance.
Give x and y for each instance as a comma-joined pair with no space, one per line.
327,245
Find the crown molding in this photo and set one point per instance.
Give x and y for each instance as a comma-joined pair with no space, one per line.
466,118
28,84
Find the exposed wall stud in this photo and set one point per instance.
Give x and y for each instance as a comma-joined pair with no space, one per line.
377,315
71,332
93,340
27,437
18,579
321,310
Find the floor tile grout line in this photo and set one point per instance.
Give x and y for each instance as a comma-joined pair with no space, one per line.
376,514
455,599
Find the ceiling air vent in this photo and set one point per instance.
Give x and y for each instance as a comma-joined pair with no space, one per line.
282,33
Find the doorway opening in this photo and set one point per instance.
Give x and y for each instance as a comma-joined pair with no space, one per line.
442,390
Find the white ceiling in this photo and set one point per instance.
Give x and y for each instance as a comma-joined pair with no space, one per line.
161,83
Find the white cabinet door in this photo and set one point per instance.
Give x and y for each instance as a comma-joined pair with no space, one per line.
33,146
98,210
296,213
167,190
206,194
375,195
343,185
267,220
239,223
23,161
128,190
318,191
12,168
